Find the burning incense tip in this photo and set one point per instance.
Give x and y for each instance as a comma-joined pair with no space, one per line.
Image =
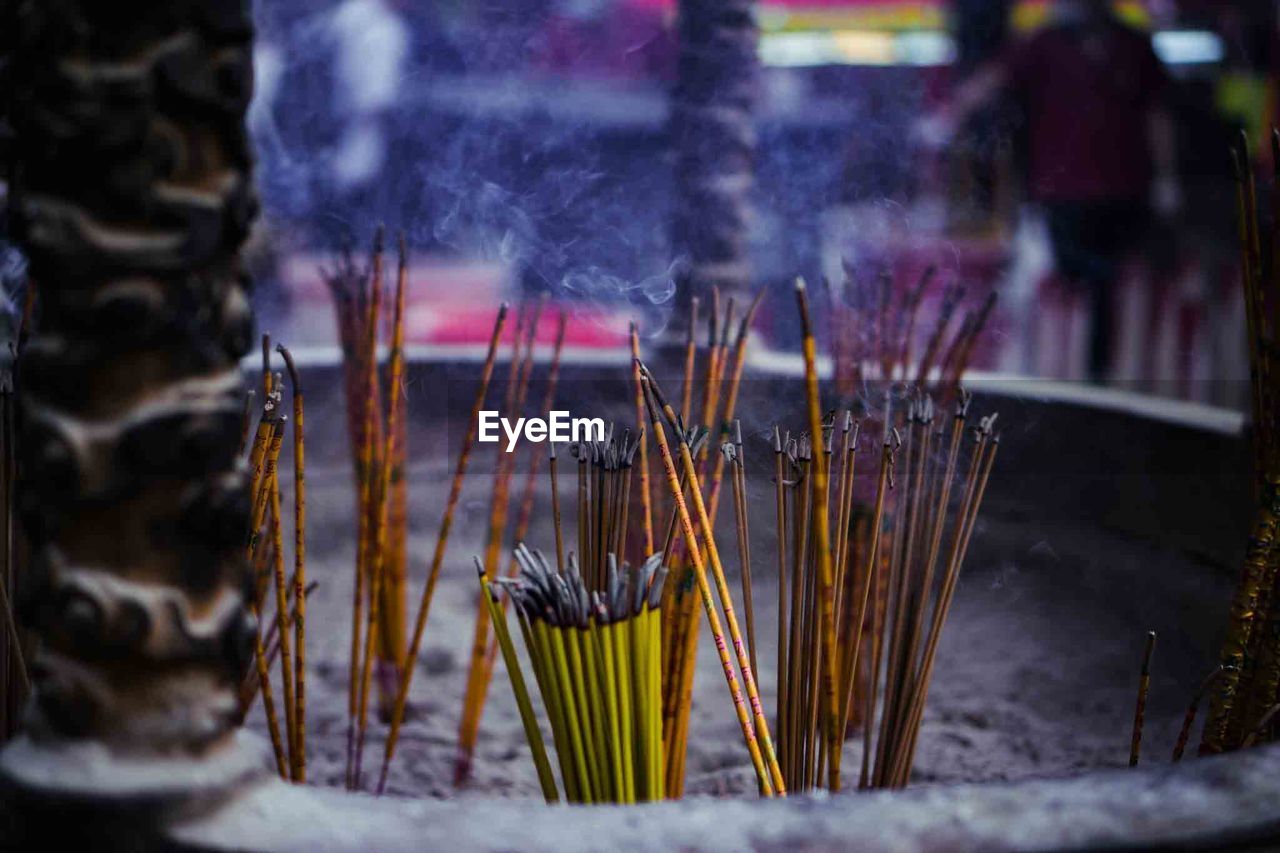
1144,685
1146,657
802,297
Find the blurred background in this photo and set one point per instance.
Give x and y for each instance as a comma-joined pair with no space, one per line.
1071,156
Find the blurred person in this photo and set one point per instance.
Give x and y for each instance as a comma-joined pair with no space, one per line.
980,154
1100,149
371,47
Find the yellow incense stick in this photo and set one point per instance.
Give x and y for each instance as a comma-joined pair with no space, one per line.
1140,709
299,751
442,541
704,590
478,675
545,777
377,556
364,472
822,543
282,628
646,495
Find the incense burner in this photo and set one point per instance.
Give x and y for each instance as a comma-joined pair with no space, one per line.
1116,538
1113,518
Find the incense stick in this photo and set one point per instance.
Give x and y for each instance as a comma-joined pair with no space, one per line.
950,299
13,654
266,365
391,621
268,701
299,751
1263,724
477,681
704,590
249,685
282,608
377,556
1226,716
773,781
526,501
530,723
678,663
912,308
1140,708
980,471
780,515
263,466
442,540
1188,719
366,480
742,522
646,496
555,506
822,530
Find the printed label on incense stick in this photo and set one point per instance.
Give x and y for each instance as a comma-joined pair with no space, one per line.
558,427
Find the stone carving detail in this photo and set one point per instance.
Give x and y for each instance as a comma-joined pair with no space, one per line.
133,195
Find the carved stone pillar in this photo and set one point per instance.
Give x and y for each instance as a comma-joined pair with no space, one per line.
133,194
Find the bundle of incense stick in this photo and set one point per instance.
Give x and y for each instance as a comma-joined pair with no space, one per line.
283,637
377,625
929,487
872,334
846,607
721,380
361,310
595,650
604,477
1245,690
484,647
705,558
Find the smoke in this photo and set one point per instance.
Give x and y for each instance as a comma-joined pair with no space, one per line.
505,168
564,180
